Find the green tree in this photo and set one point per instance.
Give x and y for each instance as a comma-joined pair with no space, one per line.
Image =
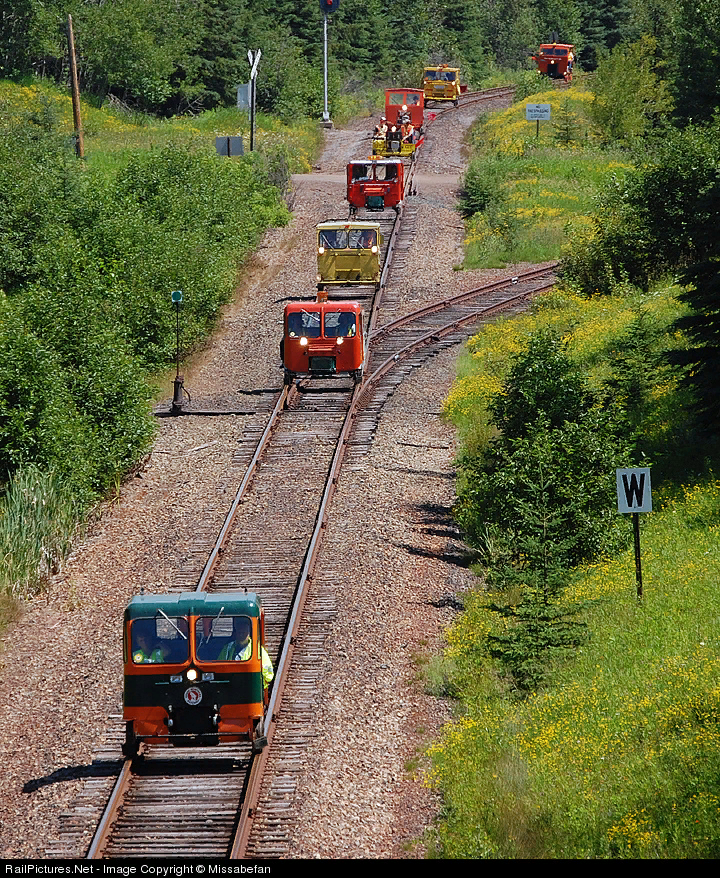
561,18
512,30
143,51
565,124
540,628
656,218
701,361
696,52
630,97
604,24
222,50
549,422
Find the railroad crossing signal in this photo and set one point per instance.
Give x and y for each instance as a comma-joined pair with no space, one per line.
254,59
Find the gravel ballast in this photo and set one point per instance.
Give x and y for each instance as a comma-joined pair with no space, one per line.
61,663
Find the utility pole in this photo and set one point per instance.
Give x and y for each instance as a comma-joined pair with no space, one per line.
79,143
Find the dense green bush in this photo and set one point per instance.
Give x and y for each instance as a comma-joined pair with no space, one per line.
655,218
183,220
551,428
630,96
89,261
482,187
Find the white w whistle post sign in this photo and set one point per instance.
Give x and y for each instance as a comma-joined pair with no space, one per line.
634,496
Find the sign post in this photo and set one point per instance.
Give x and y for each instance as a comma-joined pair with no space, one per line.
77,120
327,7
254,60
634,496
537,113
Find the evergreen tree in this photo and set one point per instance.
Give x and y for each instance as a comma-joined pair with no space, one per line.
565,125
462,34
512,30
16,26
561,19
702,360
540,628
361,40
303,19
604,23
697,60
223,50
551,422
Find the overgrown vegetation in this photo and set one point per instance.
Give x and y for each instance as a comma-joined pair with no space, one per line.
587,720
89,254
589,724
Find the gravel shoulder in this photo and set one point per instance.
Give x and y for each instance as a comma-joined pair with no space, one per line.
61,663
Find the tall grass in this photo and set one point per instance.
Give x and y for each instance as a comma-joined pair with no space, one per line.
620,755
544,181
38,519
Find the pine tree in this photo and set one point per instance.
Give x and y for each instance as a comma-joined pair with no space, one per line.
541,628
565,124
604,23
223,50
702,360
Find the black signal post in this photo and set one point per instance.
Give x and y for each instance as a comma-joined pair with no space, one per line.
176,297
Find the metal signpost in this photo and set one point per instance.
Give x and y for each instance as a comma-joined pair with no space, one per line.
176,298
634,496
537,113
326,7
254,60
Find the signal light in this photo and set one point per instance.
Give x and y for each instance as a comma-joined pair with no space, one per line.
328,6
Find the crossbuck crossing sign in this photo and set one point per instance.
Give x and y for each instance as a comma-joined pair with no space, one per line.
633,490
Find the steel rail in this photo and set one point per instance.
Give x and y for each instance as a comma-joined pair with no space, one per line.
528,275
252,797
360,392
208,570
254,788
117,795
440,332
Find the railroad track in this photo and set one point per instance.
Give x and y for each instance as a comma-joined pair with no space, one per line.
270,808
270,544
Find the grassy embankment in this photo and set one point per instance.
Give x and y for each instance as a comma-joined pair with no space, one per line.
619,754
86,328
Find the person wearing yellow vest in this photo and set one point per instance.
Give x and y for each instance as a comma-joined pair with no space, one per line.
240,648
143,652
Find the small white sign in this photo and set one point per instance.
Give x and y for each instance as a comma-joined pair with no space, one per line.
537,112
633,490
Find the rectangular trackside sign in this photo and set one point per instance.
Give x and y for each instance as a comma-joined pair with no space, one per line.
633,490
537,112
